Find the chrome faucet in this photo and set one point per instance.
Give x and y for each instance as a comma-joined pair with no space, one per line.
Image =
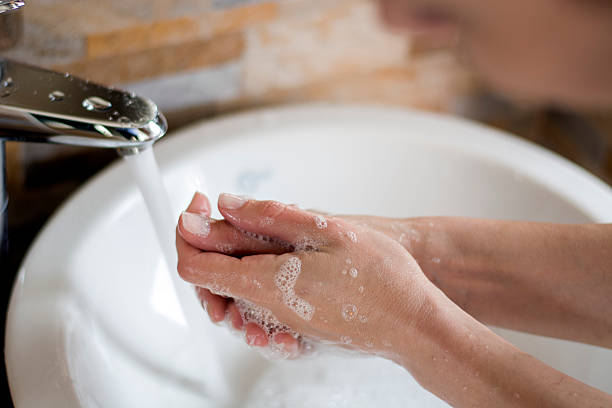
38,105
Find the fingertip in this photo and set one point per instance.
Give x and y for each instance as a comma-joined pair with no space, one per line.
234,316
231,201
201,294
215,305
216,314
194,224
255,335
199,204
288,343
270,218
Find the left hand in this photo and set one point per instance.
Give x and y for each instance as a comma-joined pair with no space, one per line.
385,285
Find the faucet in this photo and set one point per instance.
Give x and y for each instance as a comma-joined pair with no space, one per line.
38,105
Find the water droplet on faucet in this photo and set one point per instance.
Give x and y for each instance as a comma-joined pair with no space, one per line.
7,87
124,120
96,103
56,96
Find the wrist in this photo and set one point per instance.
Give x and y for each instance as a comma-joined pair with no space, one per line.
431,241
428,328
451,352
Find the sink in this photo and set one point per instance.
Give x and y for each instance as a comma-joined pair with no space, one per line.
93,320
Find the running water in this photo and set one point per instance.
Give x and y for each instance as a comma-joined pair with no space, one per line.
145,171
326,381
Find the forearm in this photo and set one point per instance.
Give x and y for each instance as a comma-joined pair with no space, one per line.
466,364
549,279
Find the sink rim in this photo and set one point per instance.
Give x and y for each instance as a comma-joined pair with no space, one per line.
557,173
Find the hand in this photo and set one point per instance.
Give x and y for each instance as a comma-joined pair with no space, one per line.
223,237
220,236
326,278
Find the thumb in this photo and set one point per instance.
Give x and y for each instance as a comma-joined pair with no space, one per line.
274,219
199,204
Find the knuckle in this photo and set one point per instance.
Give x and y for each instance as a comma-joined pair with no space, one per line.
302,291
272,209
189,270
182,269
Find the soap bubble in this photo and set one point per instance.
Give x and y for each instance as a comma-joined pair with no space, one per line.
349,312
321,222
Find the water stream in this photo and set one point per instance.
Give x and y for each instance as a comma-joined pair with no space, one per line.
145,171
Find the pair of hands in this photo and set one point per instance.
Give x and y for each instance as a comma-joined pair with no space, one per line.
334,279
298,265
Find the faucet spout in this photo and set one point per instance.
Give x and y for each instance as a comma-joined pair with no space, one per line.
37,105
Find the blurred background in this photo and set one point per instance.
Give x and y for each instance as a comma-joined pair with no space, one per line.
199,59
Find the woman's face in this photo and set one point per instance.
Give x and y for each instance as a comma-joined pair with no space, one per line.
550,51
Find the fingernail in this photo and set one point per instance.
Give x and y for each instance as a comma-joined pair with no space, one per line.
250,339
216,315
236,320
291,348
231,201
196,224
256,340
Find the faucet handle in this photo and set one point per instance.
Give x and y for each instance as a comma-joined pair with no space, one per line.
11,24
10,5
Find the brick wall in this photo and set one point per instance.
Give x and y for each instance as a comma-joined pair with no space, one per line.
239,53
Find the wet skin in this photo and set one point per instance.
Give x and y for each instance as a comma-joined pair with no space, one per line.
409,319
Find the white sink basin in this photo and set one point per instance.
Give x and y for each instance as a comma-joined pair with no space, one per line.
92,321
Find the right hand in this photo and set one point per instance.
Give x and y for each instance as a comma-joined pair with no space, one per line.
382,285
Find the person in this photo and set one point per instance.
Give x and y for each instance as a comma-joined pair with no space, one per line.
422,290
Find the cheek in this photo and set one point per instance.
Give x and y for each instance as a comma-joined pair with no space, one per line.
391,12
543,54
578,77
415,16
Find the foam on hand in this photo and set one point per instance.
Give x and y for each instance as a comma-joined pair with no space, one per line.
285,281
321,222
265,239
349,312
265,319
